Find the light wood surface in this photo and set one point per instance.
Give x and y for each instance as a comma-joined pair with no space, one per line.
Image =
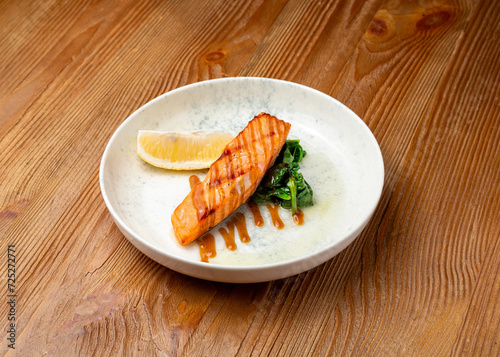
423,279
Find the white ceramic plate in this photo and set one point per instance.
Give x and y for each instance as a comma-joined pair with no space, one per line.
343,165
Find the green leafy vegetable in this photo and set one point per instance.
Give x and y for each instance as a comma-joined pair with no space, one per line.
283,183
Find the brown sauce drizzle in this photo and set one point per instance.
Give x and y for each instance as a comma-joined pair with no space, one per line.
228,236
298,218
239,220
273,210
257,217
207,247
207,242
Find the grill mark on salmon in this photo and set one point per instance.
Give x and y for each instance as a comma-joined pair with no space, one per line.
231,179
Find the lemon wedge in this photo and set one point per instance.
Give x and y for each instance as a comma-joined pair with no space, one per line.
181,151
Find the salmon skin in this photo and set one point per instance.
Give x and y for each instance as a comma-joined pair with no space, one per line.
232,178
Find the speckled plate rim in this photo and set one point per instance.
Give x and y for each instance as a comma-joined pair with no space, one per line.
246,273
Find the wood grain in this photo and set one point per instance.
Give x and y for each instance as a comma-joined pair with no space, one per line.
423,277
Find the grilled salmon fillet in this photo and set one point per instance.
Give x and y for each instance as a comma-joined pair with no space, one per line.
232,178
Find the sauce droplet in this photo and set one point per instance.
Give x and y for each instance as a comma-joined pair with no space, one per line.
273,210
240,222
298,218
228,236
207,247
257,217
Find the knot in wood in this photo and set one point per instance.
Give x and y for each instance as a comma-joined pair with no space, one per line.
378,27
215,56
433,20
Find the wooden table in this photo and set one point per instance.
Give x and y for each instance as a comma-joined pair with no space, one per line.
422,279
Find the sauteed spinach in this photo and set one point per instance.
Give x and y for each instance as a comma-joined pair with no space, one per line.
283,183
